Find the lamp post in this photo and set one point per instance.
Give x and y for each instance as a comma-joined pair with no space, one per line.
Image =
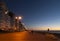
17,22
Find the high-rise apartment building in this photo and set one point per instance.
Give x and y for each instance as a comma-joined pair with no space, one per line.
4,18
12,20
8,21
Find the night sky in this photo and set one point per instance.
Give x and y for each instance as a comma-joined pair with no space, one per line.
37,13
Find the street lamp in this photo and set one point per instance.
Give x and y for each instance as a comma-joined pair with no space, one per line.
17,22
18,18
6,12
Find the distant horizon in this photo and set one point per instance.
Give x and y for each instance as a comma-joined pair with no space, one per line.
44,28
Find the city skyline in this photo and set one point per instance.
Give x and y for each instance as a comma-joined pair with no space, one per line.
37,13
8,20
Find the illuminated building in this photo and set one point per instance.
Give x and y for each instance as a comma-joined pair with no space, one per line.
12,20
8,20
4,18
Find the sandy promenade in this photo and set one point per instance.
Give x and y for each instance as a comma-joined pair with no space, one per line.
27,36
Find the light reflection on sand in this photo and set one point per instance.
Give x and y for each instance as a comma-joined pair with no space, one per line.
26,36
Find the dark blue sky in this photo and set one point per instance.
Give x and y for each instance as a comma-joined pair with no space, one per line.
37,13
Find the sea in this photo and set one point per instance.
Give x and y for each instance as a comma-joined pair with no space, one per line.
51,31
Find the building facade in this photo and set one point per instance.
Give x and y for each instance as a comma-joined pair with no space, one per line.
4,18
8,21
12,20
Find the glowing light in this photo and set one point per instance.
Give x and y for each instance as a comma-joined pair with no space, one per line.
20,17
16,17
6,12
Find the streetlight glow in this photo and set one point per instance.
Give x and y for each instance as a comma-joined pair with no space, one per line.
6,12
20,17
16,17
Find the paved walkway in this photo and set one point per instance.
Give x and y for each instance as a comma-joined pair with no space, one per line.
27,36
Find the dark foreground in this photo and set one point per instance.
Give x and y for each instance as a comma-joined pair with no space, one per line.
27,36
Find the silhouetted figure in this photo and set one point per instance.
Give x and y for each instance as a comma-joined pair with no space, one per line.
48,29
